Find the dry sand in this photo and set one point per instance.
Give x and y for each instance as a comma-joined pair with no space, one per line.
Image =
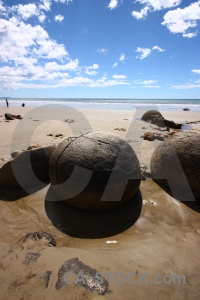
164,241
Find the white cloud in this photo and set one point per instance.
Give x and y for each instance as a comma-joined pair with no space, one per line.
27,11
197,71
90,69
72,65
115,64
119,76
59,18
2,8
186,86
183,20
153,5
145,82
158,49
46,5
64,1
113,4
151,86
20,40
144,52
41,17
140,14
122,57
102,50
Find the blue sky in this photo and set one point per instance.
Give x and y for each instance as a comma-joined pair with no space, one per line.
100,48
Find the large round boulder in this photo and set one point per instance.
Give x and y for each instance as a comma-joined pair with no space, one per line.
95,171
28,168
150,115
175,163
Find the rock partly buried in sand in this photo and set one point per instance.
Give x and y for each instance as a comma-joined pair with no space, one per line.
12,117
155,117
164,122
15,173
150,136
175,157
150,115
38,235
95,155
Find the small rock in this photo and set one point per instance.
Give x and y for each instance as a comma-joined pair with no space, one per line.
12,117
59,135
186,109
148,136
120,129
69,121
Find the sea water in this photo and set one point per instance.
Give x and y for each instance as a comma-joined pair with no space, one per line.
109,103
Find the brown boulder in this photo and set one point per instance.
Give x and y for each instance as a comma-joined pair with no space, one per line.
150,115
12,117
175,163
16,173
91,158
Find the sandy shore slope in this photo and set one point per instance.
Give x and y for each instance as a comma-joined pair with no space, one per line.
165,241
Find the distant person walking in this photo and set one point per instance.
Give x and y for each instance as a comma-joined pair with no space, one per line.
23,104
7,103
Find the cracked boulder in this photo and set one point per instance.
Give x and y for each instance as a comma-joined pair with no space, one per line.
175,163
95,171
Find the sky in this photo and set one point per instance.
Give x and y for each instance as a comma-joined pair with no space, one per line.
100,49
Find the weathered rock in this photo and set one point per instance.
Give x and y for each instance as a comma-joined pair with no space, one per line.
171,124
176,162
150,115
12,117
15,173
89,275
38,235
155,117
150,136
97,155
161,122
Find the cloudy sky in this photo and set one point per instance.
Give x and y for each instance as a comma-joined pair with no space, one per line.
100,48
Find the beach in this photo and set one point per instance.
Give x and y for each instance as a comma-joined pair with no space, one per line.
164,241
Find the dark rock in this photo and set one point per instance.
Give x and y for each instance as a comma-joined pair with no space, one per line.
89,282
148,136
175,163
40,235
156,118
186,109
97,154
12,117
69,121
150,115
172,124
31,257
15,173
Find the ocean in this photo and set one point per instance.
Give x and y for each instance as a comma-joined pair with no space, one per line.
109,103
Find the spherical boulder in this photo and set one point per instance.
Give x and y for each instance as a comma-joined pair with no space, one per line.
150,115
95,171
175,163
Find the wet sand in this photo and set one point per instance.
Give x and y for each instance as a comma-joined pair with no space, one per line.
165,241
